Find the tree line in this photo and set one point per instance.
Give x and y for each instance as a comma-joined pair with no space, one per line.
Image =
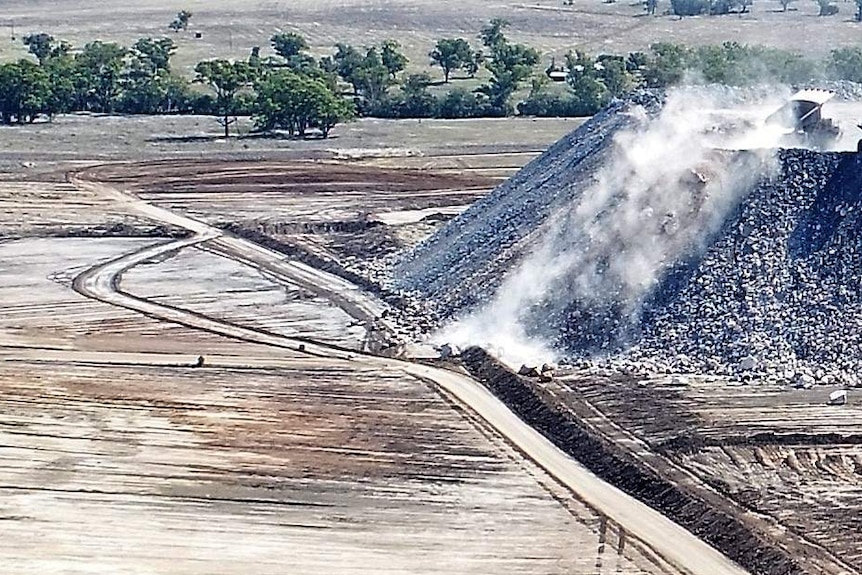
294,92
590,82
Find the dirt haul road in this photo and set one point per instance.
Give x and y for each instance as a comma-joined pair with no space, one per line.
671,542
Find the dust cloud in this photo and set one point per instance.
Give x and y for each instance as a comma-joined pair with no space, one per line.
665,189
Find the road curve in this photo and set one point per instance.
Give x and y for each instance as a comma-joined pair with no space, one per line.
670,541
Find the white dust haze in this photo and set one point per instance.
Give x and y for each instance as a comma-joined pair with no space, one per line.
664,190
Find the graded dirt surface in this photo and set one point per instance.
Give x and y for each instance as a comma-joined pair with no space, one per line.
289,447
789,462
175,398
299,193
171,405
303,465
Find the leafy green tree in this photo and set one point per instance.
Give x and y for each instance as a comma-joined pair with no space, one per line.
367,74
393,60
451,54
492,33
63,77
40,45
546,100
845,64
509,64
612,72
517,59
498,91
153,55
292,101
477,60
667,65
460,103
373,79
587,86
416,100
227,79
347,63
291,47
181,22
99,68
288,44
25,92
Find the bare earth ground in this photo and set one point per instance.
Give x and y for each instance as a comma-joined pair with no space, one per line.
117,454
779,453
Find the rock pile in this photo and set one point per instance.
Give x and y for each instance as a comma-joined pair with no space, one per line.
780,290
463,263
776,289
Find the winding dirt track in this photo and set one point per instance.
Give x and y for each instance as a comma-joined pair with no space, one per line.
671,542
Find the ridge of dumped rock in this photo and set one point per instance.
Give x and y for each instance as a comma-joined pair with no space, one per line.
779,289
776,286
463,263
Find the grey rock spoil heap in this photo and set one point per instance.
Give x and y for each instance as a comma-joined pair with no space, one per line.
775,287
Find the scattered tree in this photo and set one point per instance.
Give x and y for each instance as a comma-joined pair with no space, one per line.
368,75
99,68
294,102
346,63
25,92
476,62
288,45
509,64
460,103
153,55
452,54
393,60
416,101
149,87
181,22
667,65
492,33
227,79
40,45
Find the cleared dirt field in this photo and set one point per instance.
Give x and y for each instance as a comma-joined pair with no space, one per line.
778,453
175,398
120,453
306,465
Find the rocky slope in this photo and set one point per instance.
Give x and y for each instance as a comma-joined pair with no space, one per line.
633,237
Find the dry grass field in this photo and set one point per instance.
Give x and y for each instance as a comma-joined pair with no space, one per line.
230,29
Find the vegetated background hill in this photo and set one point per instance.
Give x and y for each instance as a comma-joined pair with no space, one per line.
230,29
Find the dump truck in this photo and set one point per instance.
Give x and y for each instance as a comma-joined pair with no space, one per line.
802,122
